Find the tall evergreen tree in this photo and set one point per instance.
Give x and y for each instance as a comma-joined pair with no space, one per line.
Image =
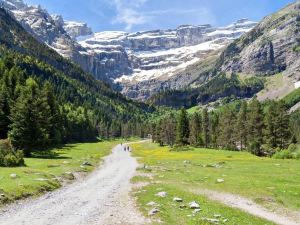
241,126
195,129
214,129
283,131
182,131
255,127
30,119
205,128
227,134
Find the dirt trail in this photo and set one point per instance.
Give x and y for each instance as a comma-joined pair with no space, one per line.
244,204
101,198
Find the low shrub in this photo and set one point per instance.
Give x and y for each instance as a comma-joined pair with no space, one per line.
9,157
293,152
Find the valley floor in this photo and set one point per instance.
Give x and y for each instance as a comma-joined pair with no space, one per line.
230,187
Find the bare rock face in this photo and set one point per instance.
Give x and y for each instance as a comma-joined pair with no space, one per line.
270,48
75,29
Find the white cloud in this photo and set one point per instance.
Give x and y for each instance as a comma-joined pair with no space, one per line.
131,13
128,13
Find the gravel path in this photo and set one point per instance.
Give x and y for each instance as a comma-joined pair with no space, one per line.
244,204
101,198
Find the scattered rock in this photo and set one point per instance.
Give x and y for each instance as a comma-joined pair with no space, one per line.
194,205
2,195
86,163
187,162
196,211
225,220
152,204
162,194
13,176
210,220
65,162
41,179
182,206
176,199
153,211
217,216
220,180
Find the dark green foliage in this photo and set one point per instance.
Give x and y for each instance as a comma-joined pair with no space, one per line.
30,119
217,88
195,138
205,128
261,129
242,126
255,127
182,128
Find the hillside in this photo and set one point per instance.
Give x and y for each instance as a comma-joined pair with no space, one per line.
87,107
269,52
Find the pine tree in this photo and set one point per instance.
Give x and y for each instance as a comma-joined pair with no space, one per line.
195,130
241,126
214,129
227,135
205,128
182,129
255,127
271,124
30,119
283,131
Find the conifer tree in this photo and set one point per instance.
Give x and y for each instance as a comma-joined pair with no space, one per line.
182,129
195,130
30,119
255,126
241,126
205,128
227,135
214,129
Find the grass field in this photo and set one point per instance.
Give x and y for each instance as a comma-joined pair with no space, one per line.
269,182
45,172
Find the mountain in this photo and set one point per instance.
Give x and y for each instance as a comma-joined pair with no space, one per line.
269,53
81,98
144,63
137,64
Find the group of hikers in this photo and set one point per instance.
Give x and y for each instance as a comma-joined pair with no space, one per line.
126,148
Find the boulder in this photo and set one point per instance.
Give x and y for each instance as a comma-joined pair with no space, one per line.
194,205
86,163
152,204
13,176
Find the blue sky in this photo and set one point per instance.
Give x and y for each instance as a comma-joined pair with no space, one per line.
138,15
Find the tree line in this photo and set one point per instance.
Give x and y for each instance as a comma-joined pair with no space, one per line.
259,128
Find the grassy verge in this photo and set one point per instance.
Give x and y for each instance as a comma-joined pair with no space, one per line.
267,181
46,171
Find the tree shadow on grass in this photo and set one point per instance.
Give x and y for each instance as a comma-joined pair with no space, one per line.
51,154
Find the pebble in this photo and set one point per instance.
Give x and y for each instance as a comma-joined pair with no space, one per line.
153,211
220,180
162,194
176,199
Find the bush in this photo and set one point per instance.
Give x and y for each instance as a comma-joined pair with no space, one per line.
293,152
9,157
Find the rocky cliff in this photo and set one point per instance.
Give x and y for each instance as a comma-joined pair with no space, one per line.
139,64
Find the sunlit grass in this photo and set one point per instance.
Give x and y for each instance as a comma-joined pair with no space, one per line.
41,174
267,181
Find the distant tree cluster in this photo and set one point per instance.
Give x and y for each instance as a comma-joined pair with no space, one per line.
259,129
